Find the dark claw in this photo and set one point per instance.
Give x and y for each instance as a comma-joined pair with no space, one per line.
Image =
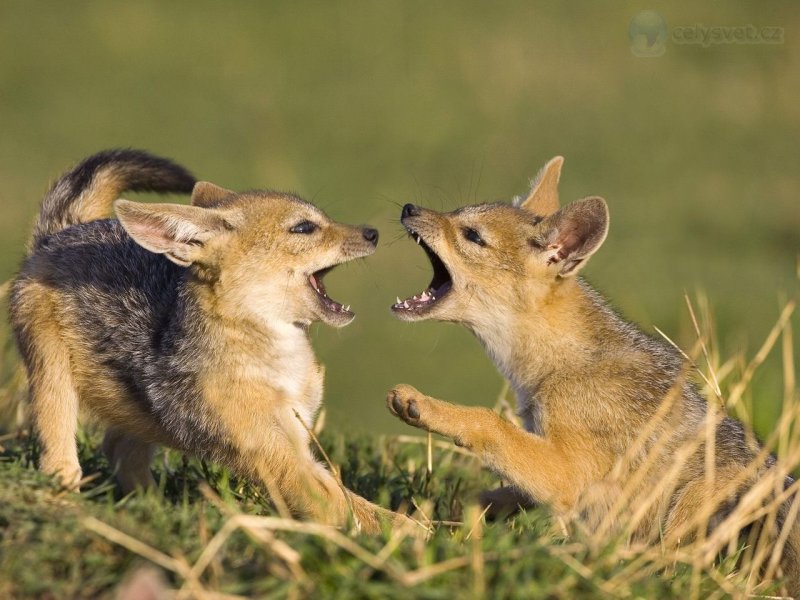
397,404
413,410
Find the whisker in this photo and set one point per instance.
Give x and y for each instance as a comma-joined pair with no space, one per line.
390,201
394,240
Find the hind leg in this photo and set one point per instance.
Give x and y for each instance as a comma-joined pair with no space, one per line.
56,420
503,502
130,458
685,517
54,407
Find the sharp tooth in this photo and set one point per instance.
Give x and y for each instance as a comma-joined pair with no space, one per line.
424,296
419,240
398,300
415,297
405,303
433,298
347,308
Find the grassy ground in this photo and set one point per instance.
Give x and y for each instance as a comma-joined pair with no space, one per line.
69,546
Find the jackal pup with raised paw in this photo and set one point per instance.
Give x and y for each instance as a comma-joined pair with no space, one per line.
184,325
607,410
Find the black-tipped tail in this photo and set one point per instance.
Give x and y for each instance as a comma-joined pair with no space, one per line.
86,192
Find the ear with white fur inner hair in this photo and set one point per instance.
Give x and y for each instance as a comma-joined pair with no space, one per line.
543,199
206,194
576,232
177,231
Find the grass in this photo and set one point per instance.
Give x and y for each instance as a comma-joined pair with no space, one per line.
210,534
68,545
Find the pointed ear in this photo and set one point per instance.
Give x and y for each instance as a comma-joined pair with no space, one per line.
574,233
543,199
178,231
207,194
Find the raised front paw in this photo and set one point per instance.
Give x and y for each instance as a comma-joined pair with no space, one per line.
408,404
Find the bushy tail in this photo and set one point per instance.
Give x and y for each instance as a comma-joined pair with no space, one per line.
86,192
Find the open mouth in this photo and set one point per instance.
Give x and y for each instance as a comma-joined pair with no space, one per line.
315,280
437,289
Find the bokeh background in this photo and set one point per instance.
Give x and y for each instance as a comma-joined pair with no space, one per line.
363,106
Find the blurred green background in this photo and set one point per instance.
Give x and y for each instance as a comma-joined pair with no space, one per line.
363,106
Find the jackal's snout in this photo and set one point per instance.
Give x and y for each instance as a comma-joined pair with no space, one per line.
371,235
332,244
423,227
410,210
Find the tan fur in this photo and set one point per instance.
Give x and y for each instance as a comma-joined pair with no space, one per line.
587,382
231,376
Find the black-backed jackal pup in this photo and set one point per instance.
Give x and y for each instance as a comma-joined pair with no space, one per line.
605,408
185,326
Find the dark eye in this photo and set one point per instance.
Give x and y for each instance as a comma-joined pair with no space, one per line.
473,236
304,227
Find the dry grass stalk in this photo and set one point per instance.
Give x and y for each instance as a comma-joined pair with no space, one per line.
789,380
477,520
279,548
503,407
690,361
429,454
416,439
703,338
334,470
738,390
777,551
398,535
179,567
476,551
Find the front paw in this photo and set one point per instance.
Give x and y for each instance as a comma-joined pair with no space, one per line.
406,403
68,475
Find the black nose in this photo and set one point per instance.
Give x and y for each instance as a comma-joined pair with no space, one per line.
409,210
371,235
